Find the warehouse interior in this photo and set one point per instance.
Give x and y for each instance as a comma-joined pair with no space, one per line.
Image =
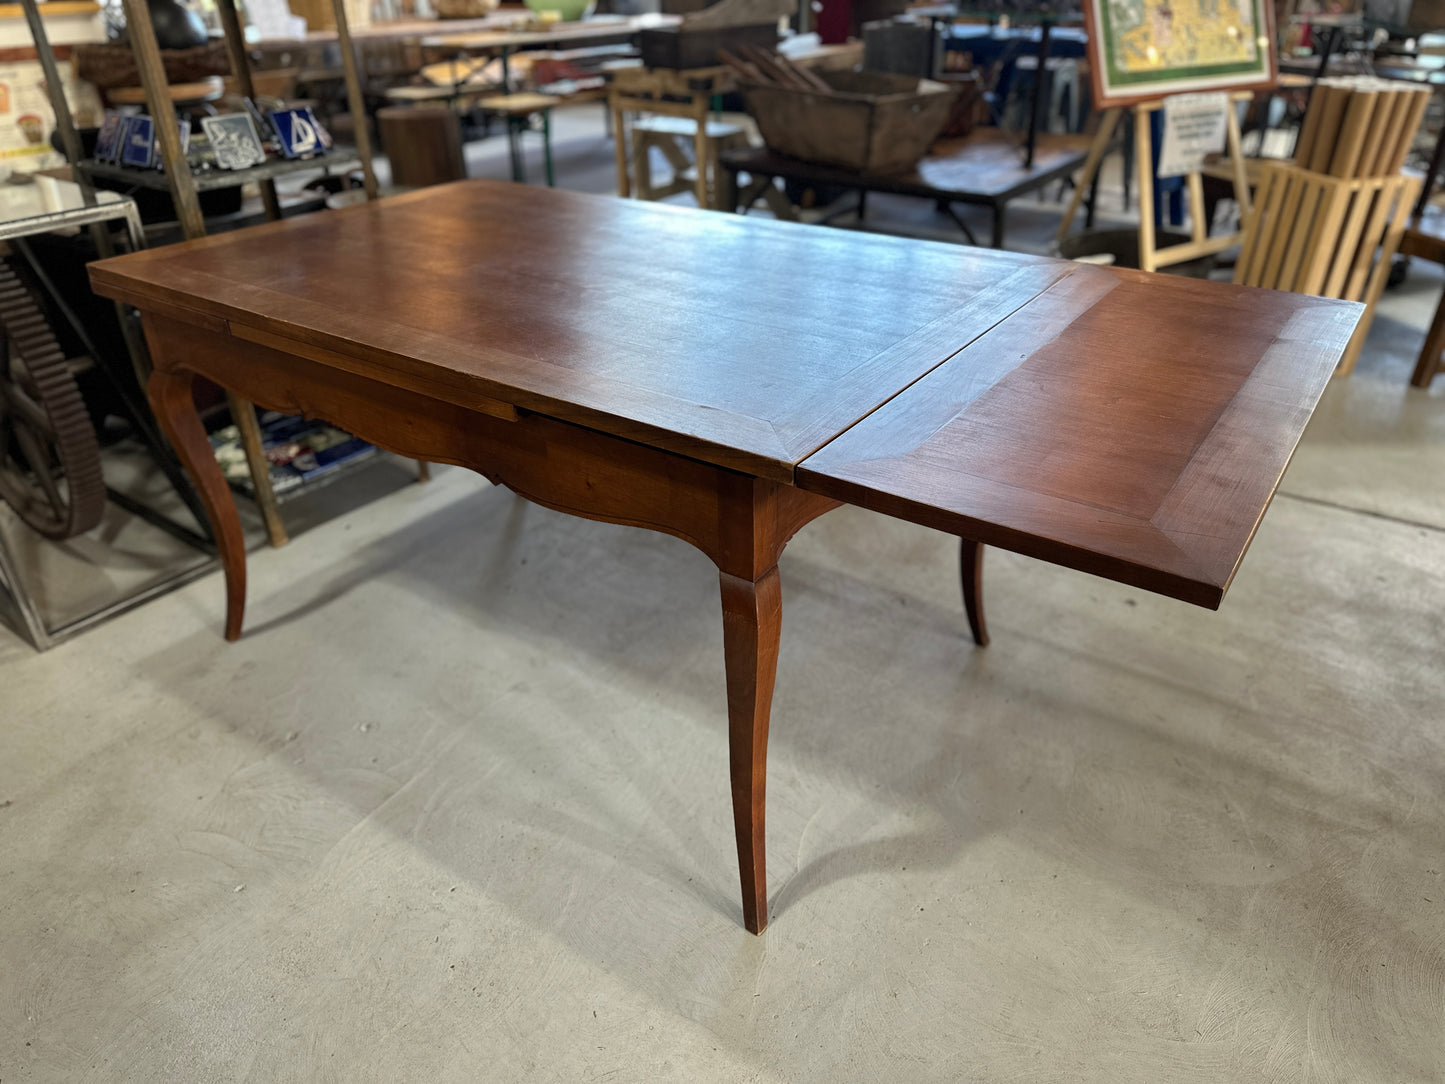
456,806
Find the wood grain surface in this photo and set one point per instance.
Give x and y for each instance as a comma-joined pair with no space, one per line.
746,344
1129,425
667,369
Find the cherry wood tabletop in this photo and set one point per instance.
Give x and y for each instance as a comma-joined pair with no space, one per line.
1133,426
744,343
728,380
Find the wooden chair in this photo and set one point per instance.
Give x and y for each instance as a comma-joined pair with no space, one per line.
672,136
1311,233
670,106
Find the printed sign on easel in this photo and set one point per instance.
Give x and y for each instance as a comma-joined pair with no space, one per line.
1194,128
1152,55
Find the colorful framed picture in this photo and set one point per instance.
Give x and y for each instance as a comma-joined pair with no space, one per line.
1143,50
234,140
138,142
107,140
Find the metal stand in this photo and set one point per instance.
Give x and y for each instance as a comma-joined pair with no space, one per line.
94,212
1045,28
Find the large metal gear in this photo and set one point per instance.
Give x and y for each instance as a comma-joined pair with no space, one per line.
49,457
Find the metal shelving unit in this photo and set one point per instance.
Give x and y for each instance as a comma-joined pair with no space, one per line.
337,160
185,187
25,212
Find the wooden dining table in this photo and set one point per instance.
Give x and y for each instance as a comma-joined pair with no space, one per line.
727,379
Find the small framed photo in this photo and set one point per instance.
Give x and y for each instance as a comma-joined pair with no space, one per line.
138,142
107,140
234,140
301,134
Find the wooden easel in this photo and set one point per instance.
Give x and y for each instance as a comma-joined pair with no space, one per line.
1151,258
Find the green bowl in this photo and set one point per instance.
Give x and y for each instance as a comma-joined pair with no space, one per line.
571,10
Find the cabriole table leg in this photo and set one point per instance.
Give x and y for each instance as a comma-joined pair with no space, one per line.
970,565
169,391
740,521
752,622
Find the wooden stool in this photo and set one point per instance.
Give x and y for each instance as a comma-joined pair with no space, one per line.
671,135
665,92
519,109
423,144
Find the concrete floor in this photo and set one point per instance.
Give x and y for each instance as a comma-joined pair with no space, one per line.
456,807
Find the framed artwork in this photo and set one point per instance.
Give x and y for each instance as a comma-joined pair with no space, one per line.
234,140
1143,50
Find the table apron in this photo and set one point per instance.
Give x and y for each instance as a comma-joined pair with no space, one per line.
739,521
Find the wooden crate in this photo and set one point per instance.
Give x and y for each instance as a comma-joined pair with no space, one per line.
1316,234
871,123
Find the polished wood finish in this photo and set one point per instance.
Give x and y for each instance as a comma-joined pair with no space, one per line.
611,314
727,381
752,624
170,393
1133,426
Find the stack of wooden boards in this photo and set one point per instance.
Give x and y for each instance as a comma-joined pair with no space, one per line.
763,67
1330,222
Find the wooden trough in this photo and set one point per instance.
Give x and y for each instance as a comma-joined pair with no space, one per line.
870,122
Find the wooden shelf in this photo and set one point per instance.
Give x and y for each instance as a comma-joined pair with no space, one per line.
211,180
51,9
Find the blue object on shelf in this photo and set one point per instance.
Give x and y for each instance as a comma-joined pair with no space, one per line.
301,135
138,142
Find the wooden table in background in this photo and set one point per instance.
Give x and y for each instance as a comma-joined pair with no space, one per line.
984,168
726,380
